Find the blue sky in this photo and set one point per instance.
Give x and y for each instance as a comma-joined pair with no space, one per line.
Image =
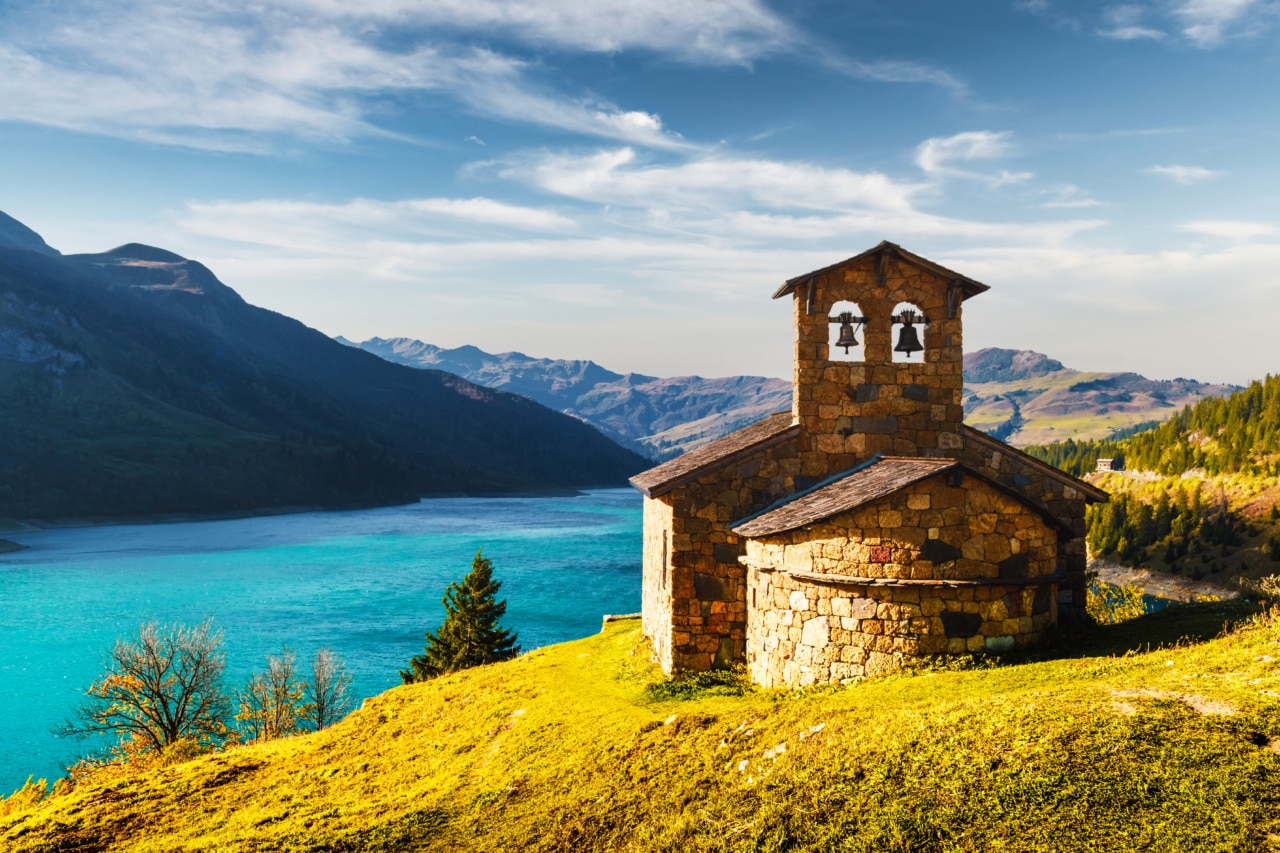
629,181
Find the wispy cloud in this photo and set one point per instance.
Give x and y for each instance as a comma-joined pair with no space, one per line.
334,227
1126,23
937,157
1232,229
1068,196
1185,175
709,32
712,181
1207,23
212,75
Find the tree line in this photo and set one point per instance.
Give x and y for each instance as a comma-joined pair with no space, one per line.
1183,521
1221,435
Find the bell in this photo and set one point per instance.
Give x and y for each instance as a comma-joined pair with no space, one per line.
908,340
847,337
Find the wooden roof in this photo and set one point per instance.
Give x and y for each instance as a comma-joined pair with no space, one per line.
968,287
1091,493
774,429
880,477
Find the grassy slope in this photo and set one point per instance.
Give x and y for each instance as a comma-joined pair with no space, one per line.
1052,412
567,749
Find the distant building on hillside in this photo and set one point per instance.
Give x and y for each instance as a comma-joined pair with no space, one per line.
1106,465
867,525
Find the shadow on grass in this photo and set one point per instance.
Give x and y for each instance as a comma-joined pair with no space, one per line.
1177,624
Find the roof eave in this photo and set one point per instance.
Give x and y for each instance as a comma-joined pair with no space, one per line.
969,287
660,489
1092,494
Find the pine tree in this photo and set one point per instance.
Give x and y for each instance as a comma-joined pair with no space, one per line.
470,635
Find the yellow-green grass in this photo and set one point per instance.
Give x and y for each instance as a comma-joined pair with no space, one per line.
582,746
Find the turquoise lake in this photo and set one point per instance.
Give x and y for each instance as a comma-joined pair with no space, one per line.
365,583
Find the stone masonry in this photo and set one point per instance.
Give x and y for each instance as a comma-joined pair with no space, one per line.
730,577
941,569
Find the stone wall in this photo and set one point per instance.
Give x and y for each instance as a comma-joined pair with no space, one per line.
849,411
657,601
1044,487
699,619
943,570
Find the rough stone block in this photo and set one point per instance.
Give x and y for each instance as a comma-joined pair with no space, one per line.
863,608
817,632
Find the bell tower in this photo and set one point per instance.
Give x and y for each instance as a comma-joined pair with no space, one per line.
902,398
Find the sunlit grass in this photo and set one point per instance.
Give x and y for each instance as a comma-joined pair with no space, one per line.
1113,744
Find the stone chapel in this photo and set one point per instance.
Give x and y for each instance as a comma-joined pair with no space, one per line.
868,525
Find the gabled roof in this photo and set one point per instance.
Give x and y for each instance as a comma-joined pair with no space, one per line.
968,287
880,477
871,481
1091,493
774,429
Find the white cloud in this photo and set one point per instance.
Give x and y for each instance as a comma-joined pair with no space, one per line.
705,32
207,76
1124,23
1207,23
937,157
211,75
1185,175
333,228
711,181
1231,229
1068,196
1131,33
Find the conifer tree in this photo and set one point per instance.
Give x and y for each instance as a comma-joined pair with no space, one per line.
470,635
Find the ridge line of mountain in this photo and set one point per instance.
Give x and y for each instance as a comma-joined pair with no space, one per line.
143,385
1021,396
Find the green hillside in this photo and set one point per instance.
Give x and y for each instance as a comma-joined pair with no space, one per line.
1123,745
1199,493
1027,398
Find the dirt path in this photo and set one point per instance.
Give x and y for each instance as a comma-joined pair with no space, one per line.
1158,584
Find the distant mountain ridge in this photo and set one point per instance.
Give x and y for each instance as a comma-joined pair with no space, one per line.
658,416
1020,396
134,382
1025,398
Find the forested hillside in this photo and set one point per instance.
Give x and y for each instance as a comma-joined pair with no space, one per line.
1219,435
1200,490
134,382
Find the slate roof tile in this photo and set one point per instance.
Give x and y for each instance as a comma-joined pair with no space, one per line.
763,433
862,485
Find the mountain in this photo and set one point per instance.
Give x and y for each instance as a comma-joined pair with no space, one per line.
1020,396
659,417
135,382
15,235
1024,397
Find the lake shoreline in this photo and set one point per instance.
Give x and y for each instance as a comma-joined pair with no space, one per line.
10,526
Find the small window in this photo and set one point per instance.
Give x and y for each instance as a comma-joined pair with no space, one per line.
909,323
666,536
846,339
